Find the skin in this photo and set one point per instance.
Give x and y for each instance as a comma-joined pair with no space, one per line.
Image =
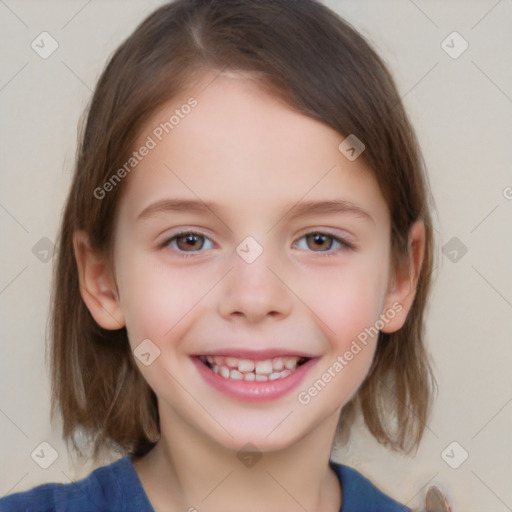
255,158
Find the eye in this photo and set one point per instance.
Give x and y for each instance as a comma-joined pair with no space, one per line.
188,241
322,242
193,242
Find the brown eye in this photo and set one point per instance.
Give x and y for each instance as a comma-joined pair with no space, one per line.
190,241
319,241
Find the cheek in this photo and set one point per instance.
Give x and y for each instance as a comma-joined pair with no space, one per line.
156,300
159,305
348,306
346,300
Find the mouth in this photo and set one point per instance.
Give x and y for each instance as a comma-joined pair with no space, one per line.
259,370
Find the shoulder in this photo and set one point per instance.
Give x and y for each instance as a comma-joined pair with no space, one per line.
109,488
360,495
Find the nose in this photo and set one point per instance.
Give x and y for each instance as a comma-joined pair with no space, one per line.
252,292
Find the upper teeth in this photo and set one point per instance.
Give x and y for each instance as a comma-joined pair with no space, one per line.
248,369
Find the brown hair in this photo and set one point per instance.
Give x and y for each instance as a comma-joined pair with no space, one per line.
319,65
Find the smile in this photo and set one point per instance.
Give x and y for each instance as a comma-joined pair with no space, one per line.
254,377
251,369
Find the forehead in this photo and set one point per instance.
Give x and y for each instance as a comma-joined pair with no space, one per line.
240,145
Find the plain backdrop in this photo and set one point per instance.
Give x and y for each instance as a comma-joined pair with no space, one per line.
460,103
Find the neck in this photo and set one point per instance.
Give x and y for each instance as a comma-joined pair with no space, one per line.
188,471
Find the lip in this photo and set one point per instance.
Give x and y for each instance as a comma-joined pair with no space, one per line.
254,391
255,355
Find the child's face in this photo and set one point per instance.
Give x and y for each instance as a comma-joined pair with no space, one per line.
250,159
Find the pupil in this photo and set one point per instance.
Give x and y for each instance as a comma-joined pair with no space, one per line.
320,240
190,240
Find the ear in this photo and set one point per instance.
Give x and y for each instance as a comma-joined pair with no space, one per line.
97,284
403,281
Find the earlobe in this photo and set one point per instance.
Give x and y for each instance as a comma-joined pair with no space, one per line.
97,285
404,281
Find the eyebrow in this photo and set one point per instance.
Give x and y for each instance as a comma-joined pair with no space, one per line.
334,206
297,210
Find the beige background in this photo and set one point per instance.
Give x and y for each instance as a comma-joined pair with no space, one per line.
462,109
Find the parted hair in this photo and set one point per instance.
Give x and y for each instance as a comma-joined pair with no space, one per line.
306,55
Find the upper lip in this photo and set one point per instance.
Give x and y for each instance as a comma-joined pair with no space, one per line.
244,353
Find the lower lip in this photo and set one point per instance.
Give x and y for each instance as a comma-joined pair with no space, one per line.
253,390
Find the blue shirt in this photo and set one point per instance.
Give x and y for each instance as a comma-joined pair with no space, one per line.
117,488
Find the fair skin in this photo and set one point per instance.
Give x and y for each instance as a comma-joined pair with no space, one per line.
254,158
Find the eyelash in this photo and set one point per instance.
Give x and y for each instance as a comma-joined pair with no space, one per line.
345,245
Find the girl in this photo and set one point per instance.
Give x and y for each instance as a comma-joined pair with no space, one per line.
244,262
